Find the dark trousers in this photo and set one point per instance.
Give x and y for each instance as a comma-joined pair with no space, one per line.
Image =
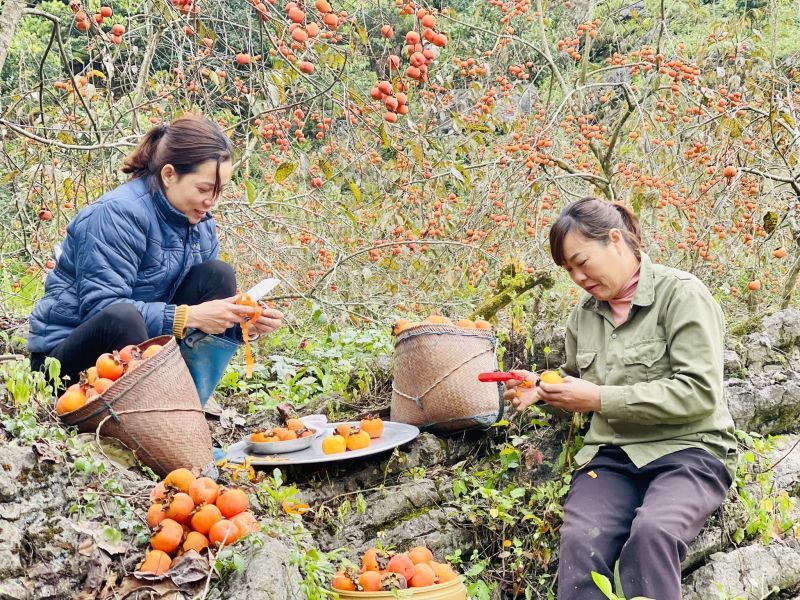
645,518
121,324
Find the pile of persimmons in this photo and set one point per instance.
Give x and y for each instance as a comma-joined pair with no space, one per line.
95,380
402,324
353,437
189,513
294,429
385,571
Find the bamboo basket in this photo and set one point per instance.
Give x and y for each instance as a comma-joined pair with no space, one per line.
155,411
451,590
436,383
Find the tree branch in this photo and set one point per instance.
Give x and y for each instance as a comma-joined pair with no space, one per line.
520,285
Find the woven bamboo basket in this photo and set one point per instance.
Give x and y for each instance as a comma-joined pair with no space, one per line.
155,411
436,383
452,590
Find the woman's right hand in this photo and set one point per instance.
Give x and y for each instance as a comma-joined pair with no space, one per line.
522,393
215,316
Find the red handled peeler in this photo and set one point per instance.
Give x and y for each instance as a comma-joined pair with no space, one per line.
494,376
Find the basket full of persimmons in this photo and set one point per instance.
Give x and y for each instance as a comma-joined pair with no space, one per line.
144,396
383,574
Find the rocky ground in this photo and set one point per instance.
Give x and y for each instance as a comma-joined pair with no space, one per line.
72,513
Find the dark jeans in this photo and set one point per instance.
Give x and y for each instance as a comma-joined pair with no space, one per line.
121,324
645,518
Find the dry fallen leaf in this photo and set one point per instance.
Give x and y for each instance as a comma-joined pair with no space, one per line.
131,584
188,568
295,508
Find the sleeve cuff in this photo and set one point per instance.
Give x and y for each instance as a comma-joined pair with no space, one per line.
169,319
613,401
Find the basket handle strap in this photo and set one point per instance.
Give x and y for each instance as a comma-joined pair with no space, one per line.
115,415
418,399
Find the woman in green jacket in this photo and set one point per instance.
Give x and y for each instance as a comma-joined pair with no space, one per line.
644,351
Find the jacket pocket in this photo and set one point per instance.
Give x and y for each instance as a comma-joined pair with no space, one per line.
586,361
646,360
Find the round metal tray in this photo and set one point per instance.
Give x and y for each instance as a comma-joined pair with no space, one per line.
394,434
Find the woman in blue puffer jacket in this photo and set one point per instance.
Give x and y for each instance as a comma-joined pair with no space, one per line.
142,260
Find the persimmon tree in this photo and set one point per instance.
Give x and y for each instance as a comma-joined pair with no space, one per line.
409,157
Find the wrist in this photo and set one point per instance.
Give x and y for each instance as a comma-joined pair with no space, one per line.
191,318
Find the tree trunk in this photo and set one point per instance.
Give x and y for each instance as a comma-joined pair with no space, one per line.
10,14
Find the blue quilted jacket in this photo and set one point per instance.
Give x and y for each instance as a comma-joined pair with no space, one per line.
131,245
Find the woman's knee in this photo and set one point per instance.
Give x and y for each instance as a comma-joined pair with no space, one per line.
218,275
122,316
650,530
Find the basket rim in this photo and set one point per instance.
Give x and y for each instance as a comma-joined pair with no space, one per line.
101,404
448,585
444,329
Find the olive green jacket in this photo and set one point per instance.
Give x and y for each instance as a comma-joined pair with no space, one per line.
660,372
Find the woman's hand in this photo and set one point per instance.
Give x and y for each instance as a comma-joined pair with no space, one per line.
522,393
574,395
270,320
215,316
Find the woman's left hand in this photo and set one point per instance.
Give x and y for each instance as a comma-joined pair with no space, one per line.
270,320
574,395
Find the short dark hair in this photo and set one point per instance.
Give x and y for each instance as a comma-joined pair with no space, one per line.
185,144
593,219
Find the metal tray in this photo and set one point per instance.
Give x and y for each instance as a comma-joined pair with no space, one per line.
394,434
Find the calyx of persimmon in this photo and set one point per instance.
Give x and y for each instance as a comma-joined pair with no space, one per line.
393,581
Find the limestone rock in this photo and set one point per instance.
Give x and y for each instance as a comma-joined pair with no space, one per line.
269,574
776,345
750,573
766,403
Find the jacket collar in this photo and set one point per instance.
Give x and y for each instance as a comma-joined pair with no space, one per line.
645,289
169,213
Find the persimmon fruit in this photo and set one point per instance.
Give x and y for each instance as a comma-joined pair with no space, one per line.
374,560
155,514
551,377
232,501
130,352
373,426
444,572
334,444
402,565
420,554
151,351
101,384
358,440
205,517
180,508
181,479
423,576
157,562
370,581
195,541
224,532
246,522
343,582
167,536
204,490
109,367
71,400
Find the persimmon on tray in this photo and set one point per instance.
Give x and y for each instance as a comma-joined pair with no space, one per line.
392,435
294,436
